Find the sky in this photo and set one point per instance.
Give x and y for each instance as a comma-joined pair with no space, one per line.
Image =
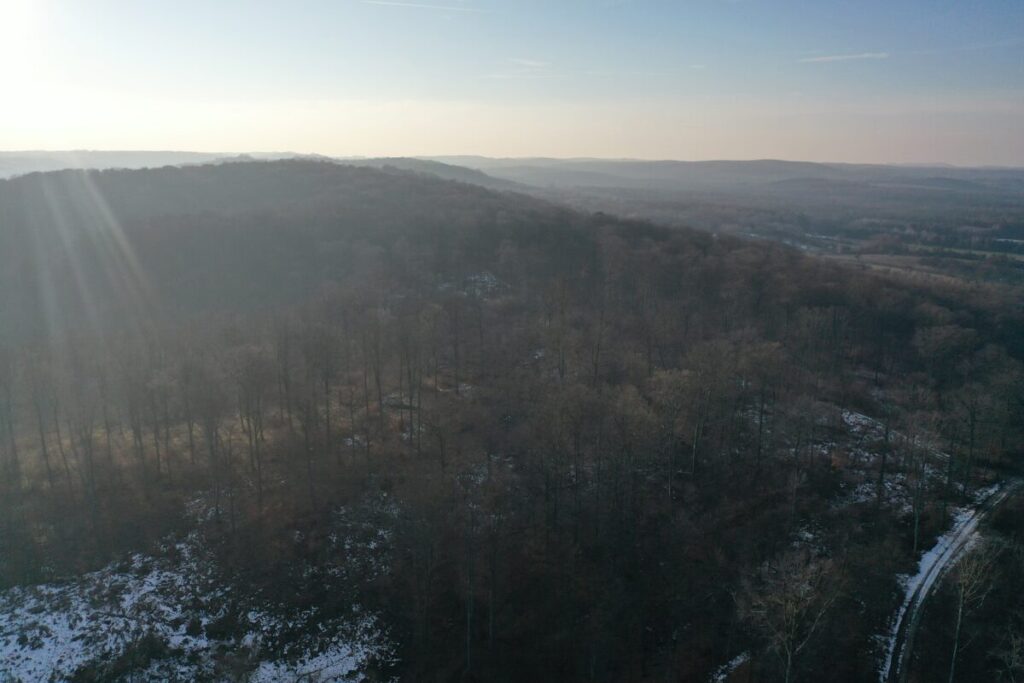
894,81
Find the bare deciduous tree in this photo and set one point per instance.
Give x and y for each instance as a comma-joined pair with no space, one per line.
786,600
973,581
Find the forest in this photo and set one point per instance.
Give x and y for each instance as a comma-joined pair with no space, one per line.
523,441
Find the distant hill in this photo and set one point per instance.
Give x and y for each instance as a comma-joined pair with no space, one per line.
759,177
20,163
792,202
460,174
765,175
77,244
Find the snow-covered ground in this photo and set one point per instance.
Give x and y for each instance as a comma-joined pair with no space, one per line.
723,672
868,433
344,659
933,564
862,442
157,619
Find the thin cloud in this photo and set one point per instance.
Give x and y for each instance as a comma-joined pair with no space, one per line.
524,75
844,58
529,63
521,67
418,5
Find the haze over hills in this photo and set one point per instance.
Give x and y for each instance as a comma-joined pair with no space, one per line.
360,417
13,163
575,341
81,227
655,174
933,219
20,163
448,171
753,175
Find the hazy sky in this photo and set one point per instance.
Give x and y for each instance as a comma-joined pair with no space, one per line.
856,80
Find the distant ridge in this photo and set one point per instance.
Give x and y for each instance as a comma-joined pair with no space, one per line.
439,169
35,161
758,175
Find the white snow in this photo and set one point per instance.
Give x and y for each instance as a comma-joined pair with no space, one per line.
897,493
981,495
931,567
50,631
859,422
722,673
343,660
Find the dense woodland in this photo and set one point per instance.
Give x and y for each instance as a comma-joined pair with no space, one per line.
600,449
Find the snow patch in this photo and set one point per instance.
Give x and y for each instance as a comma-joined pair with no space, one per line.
723,672
931,567
164,612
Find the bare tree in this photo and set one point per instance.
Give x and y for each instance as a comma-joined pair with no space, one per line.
211,406
1011,656
8,414
254,377
40,390
915,457
973,581
786,600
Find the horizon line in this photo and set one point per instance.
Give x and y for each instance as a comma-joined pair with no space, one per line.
427,157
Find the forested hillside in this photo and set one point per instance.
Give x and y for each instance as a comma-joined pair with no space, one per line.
254,233
523,442
945,220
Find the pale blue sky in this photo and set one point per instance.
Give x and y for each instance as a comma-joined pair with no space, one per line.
858,80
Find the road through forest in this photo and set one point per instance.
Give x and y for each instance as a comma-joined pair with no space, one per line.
934,564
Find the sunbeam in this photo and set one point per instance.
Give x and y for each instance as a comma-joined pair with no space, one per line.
115,250
69,231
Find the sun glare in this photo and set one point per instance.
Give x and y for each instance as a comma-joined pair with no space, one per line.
19,40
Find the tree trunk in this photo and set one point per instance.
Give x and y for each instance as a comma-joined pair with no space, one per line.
956,634
42,444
